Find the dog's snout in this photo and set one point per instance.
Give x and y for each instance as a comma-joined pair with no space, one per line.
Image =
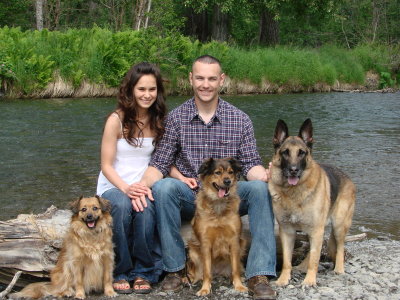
293,170
89,217
227,182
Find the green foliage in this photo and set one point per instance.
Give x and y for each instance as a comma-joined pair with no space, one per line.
100,56
386,80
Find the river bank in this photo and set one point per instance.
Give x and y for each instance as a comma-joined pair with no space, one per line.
371,272
63,89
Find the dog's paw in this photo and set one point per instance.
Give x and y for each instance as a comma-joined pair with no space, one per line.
282,281
203,292
110,293
80,295
309,281
241,288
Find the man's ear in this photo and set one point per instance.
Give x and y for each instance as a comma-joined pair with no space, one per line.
222,80
191,78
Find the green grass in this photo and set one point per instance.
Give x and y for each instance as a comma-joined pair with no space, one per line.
100,56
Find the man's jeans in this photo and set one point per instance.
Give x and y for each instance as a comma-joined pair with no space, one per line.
175,200
135,238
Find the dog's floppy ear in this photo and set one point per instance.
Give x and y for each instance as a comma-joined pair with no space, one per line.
74,205
206,167
104,204
281,134
235,164
306,133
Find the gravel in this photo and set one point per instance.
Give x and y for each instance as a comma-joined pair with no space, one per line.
372,272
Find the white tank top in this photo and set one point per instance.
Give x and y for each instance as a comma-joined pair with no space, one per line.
130,163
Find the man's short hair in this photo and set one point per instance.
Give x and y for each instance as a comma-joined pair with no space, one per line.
207,59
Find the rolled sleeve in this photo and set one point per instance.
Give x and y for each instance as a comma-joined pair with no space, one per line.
248,154
164,155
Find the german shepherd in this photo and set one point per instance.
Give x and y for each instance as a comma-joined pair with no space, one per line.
217,243
86,259
305,195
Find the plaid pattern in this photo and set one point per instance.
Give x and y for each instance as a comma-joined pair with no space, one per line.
188,140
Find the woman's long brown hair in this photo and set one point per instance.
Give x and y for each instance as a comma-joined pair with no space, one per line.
132,132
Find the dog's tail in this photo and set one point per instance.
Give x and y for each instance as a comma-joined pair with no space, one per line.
33,291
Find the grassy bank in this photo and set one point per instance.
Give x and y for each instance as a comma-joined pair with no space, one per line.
91,62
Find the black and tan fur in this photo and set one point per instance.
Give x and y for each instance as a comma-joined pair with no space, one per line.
305,196
216,247
86,259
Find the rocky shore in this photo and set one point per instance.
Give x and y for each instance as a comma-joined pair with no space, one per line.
372,272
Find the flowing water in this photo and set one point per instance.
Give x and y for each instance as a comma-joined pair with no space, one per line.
49,149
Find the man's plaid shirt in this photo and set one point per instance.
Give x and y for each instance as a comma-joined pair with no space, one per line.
188,140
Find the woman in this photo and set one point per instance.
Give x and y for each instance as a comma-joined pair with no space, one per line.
130,135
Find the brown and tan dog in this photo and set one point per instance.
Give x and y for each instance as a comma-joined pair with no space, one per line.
86,259
216,246
305,195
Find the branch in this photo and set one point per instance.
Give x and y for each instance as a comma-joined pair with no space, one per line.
4,293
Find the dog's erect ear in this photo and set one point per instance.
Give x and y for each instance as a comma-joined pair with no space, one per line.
281,134
235,164
306,133
104,204
206,167
74,205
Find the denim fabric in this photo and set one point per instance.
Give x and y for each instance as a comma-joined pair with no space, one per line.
136,243
174,201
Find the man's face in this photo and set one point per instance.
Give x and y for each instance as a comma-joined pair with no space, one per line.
206,80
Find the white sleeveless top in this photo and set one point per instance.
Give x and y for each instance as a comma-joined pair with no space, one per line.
130,163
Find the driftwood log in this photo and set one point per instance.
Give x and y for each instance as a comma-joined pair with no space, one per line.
31,243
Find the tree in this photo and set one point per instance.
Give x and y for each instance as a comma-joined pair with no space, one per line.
39,14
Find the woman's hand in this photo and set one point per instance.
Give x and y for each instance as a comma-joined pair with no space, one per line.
138,192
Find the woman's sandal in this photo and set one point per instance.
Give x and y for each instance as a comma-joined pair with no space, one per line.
125,283
141,286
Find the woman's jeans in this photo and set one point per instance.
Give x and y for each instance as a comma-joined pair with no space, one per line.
174,201
135,238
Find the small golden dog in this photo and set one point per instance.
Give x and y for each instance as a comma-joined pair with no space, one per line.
86,259
305,195
217,226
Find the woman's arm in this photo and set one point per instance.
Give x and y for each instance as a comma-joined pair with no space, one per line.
112,131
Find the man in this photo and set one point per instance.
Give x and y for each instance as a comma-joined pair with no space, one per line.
203,127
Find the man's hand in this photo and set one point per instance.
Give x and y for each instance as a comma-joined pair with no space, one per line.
191,182
260,173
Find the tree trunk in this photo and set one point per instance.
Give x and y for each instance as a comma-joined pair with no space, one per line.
197,25
39,14
219,25
146,23
139,14
269,29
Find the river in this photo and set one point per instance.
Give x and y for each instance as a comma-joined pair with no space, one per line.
50,148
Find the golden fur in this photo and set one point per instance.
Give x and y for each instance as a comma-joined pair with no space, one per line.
305,196
216,243
86,259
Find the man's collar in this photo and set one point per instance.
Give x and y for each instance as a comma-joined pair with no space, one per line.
193,111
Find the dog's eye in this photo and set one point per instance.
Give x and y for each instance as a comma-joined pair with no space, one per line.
285,152
301,152
230,172
95,208
217,172
84,209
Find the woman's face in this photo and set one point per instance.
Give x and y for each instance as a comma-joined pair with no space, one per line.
145,92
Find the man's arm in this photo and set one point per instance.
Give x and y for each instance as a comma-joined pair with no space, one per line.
150,177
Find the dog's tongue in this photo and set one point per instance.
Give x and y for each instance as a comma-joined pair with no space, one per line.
221,193
91,224
293,180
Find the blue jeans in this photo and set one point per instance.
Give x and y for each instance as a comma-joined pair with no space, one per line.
174,201
135,238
